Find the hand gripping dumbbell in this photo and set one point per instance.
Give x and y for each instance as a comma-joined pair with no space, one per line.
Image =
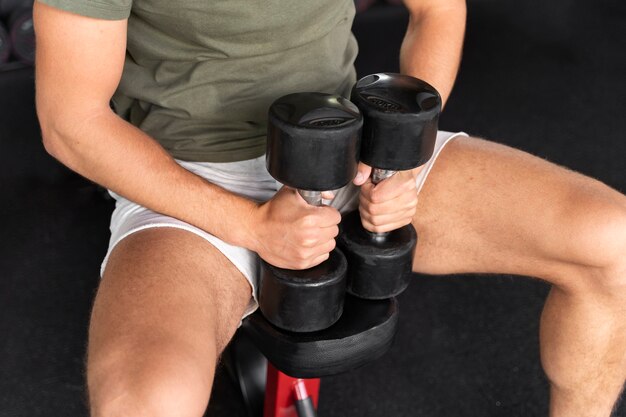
399,130
313,146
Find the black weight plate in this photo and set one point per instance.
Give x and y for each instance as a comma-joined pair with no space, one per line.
304,300
364,332
313,141
379,266
400,119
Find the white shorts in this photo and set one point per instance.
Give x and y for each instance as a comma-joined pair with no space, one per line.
249,179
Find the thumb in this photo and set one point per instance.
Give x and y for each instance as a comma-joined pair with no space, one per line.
362,174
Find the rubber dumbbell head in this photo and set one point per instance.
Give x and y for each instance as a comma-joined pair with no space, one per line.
380,266
313,141
401,114
313,144
22,34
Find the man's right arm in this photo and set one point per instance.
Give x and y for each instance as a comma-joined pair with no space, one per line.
79,65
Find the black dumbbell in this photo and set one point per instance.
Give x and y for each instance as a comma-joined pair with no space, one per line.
22,34
313,146
399,131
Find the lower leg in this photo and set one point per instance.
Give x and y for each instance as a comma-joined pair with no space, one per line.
583,351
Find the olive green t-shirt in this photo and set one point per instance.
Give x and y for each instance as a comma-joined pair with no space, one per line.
200,75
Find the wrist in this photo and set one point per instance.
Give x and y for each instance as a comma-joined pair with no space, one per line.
249,225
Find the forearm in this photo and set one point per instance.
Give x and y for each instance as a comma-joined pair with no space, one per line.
117,155
431,49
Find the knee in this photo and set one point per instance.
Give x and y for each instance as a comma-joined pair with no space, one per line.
601,250
166,388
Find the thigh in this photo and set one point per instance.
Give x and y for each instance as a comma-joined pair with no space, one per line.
167,305
490,208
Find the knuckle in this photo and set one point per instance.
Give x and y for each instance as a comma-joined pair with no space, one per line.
301,255
308,221
376,197
308,242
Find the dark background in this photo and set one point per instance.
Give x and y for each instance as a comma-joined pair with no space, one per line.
543,76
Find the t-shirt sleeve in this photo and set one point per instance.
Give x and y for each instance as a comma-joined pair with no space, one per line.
99,9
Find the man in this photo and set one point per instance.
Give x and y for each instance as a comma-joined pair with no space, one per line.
195,205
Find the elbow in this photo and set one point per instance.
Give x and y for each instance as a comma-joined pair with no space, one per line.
49,138
62,130
52,138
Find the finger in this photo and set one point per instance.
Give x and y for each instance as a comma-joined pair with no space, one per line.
402,203
323,239
323,252
319,260
387,218
313,257
363,173
328,195
328,216
380,219
328,233
386,223
385,227
393,187
366,189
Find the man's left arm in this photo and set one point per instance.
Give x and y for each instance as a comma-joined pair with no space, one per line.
431,49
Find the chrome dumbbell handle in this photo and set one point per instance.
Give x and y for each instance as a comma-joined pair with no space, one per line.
381,174
314,198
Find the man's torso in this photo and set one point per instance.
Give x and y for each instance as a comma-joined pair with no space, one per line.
200,75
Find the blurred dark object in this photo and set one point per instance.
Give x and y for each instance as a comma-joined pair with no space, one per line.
8,6
17,47
22,34
5,45
363,5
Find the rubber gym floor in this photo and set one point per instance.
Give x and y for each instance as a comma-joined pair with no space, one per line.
546,77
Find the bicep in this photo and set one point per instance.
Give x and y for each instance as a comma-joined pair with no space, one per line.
79,62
